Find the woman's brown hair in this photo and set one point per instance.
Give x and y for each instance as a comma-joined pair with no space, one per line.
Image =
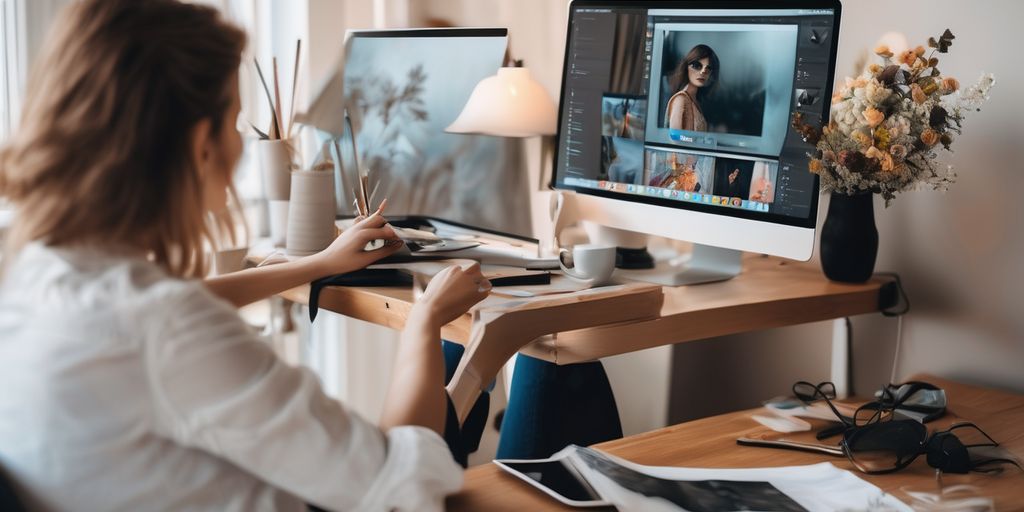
102,155
681,77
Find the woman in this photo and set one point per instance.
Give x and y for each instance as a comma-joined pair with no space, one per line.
694,78
139,387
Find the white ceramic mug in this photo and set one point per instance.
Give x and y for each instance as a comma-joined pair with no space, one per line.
593,264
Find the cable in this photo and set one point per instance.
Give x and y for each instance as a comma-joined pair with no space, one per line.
896,311
849,356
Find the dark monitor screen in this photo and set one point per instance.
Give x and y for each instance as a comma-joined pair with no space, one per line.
689,104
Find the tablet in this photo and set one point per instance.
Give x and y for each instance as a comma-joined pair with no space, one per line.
556,478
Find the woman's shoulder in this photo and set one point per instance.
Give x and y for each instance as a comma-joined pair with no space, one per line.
680,98
92,281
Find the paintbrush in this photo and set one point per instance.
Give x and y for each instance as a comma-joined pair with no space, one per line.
295,84
274,131
277,100
362,196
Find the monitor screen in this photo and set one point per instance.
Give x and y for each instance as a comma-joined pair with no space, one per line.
668,104
402,89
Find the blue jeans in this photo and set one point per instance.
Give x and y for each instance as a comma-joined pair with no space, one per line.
550,407
553,406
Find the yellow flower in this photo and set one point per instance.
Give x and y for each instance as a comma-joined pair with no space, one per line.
815,166
930,137
883,51
882,138
950,84
918,94
873,116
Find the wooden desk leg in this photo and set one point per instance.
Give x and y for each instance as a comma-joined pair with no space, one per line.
480,365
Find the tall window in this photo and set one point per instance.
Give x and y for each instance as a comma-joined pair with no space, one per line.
11,63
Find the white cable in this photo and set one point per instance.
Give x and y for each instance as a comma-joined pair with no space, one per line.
896,353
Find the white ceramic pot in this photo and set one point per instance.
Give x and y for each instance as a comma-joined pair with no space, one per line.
310,213
276,167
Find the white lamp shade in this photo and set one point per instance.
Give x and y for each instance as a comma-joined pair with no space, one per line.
509,104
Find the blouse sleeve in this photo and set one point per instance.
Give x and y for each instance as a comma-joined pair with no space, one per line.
219,389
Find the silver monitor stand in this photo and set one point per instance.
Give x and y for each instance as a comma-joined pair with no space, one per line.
704,264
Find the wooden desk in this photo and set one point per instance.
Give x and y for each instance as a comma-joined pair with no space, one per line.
711,443
770,292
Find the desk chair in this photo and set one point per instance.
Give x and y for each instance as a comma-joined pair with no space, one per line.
8,497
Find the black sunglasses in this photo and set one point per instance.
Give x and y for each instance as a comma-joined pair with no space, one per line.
699,67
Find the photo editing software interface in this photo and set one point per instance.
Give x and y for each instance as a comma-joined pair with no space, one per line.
691,108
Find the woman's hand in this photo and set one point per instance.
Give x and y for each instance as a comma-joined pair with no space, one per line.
347,252
450,294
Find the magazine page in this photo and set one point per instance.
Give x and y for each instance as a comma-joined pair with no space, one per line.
817,487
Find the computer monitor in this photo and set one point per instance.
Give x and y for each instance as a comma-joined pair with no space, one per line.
675,121
401,89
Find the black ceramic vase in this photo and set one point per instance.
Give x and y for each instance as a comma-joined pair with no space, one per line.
849,239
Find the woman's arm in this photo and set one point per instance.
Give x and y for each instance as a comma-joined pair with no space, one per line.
345,254
677,107
416,394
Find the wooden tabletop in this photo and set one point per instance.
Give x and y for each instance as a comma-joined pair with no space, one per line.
711,443
770,292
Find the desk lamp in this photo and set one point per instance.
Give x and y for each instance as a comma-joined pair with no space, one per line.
508,104
511,104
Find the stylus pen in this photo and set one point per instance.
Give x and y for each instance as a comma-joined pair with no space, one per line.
792,445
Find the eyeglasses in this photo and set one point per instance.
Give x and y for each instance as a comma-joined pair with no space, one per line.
699,67
891,446
918,400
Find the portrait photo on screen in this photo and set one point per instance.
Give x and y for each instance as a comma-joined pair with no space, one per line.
763,182
722,85
676,170
622,160
733,177
623,116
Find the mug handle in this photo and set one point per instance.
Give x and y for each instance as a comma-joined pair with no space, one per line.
570,273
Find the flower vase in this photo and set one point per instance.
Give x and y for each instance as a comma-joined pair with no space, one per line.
849,239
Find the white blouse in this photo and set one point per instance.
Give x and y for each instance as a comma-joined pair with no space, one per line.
122,388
